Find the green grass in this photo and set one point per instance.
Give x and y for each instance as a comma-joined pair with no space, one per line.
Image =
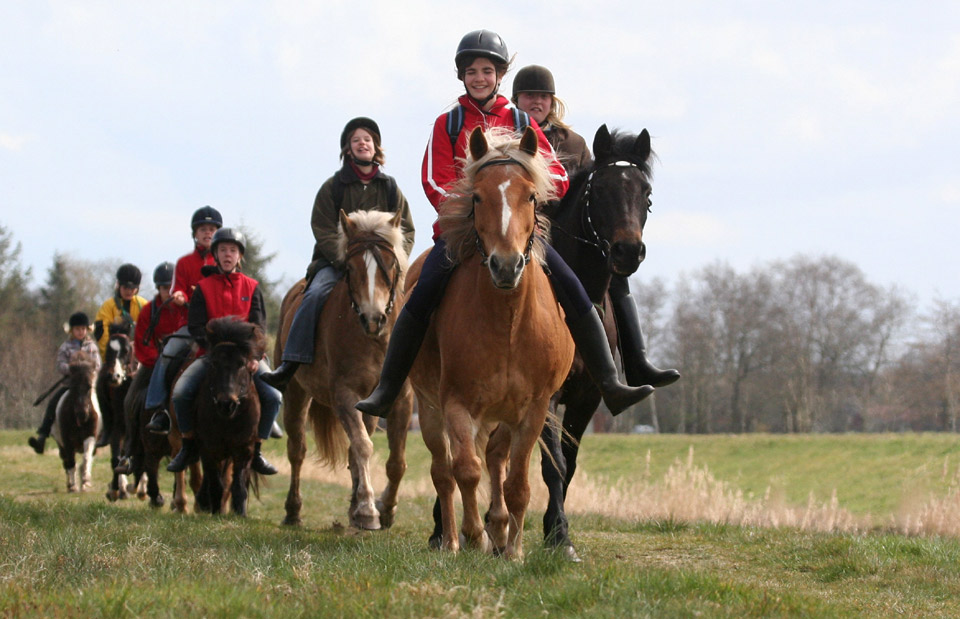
77,555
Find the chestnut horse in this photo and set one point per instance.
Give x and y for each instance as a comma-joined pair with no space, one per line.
228,411
497,347
78,421
352,335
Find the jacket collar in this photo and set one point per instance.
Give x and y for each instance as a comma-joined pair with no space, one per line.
347,175
499,104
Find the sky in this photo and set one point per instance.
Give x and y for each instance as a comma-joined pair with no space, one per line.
814,128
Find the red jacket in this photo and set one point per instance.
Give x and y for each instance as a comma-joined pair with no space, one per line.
222,294
172,317
187,274
440,168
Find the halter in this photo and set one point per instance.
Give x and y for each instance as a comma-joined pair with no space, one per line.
362,246
600,244
485,259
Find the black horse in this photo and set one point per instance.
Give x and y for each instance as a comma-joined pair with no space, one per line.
598,230
113,382
228,411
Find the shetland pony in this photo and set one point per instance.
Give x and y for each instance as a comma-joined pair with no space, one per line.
78,421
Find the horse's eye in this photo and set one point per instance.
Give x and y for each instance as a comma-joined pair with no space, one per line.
476,199
649,204
533,197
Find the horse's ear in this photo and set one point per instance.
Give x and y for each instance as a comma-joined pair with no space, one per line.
346,225
601,143
529,143
478,144
397,219
641,148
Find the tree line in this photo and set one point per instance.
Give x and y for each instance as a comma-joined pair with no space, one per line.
800,345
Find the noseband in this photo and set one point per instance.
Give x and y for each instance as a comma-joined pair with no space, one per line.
593,238
381,246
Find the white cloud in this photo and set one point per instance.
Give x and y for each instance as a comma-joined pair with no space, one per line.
13,142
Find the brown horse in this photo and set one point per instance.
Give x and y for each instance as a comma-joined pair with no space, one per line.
497,348
228,411
353,329
78,421
113,383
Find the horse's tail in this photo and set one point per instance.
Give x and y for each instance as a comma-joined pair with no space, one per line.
253,483
332,442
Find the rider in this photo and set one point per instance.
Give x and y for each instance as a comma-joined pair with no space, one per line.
482,60
123,308
227,292
205,222
535,93
78,340
360,184
159,319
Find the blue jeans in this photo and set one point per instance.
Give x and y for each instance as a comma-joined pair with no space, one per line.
157,389
185,395
303,329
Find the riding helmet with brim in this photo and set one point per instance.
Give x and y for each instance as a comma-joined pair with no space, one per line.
78,319
360,122
206,215
534,78
163,274
228,235
482,44
128,275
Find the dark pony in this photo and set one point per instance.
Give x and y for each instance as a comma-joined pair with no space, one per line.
78,421
113,383
598,230
228,411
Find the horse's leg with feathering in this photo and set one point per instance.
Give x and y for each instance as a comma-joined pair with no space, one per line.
398,423
498,450
516,488
295,405
462,428
363,512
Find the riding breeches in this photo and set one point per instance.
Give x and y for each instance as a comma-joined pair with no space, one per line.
176,345
301,338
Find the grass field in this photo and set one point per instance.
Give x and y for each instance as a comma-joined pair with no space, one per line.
667,526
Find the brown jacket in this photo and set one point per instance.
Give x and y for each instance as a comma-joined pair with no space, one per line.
570,147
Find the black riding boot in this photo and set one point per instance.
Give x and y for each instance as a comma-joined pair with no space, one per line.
638,369
37,442
402,351
49,416
591,341
260,464
188,454
160,422
280,377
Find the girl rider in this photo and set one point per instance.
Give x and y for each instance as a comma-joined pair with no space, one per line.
204,224
482,60
225,293
358,185
534,92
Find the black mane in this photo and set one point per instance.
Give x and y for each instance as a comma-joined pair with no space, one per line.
248,337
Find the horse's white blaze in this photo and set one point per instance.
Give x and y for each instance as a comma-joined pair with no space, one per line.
371,275
114,345
506,212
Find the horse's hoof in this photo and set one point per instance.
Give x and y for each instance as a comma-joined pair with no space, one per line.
157,501
72,489
570,554
142,495
292,521
387,515
366,523
434,542
111,496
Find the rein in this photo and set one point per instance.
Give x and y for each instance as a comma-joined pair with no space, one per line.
600,244
360,247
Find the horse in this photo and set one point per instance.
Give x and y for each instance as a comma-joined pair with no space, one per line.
598,230
228,410
353,329
497,347
78,421
113,383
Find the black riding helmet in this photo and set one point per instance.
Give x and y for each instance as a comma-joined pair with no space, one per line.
206,215
79,319
128,275
481,43
534,78
163,274
360,122
231,235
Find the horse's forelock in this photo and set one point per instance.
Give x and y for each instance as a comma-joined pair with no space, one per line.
456,213
248,337
621,147
373,223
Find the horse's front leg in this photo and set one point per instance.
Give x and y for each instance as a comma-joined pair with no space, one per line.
461,429
363,513
295,405
89,445
576,418
238,488
69,461
516,488
398,423
553,468
498,450
434,436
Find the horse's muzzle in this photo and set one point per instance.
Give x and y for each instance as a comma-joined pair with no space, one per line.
506,271
373,324
625,257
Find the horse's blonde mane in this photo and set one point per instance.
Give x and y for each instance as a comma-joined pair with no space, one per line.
376,223
456,213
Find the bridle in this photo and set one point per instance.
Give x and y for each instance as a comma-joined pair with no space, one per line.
484,257
586,221
360,246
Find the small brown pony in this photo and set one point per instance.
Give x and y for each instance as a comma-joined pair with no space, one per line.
78,421
352,334
497,348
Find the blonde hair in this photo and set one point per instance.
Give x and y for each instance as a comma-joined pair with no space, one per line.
558,109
